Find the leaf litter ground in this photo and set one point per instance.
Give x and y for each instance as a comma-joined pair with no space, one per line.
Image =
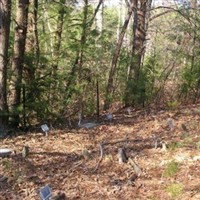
66,159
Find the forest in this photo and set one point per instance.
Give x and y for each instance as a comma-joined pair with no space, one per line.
64,57
130,68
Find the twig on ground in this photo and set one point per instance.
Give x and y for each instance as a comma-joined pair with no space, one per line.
123,141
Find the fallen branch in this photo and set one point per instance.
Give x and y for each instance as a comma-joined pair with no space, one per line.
123,141
135,167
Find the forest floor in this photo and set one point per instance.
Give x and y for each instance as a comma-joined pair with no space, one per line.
69,160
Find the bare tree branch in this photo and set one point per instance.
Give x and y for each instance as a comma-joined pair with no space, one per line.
168,10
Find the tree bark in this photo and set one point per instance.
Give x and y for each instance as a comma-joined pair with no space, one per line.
18,59
138,49
138,39
5,16
110,88
35,32
58,37
32,49
53,99
32,43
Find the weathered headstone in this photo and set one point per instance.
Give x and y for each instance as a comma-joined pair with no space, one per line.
129,110
45,193
109,117
170,124
25,151
45,129
5,152
122,156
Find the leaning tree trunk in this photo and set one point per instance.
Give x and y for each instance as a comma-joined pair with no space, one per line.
109,88
18,59
5,14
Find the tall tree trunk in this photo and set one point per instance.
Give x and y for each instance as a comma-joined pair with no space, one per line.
33,49
58,37
5,15
35,33
101,29
138,49
47,27
109,88
32,42
18,58
53,99
138,39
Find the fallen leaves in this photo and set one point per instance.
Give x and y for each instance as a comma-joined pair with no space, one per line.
66,159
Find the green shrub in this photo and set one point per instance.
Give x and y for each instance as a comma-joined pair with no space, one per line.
198,145
174,145
171,169
175,190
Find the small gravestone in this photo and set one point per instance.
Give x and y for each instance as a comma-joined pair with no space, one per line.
155,141
5,152
170,124
45,129
45,193
109,117
122,156
25,151
129,111
164,146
